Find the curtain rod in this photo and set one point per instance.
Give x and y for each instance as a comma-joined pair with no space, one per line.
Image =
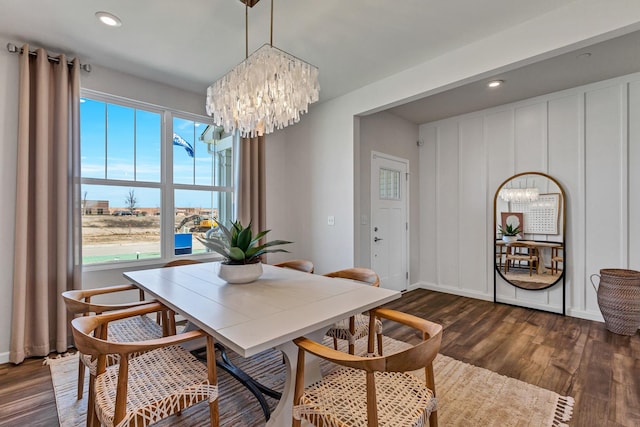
15,49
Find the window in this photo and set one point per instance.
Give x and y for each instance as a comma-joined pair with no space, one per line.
151,178
389,184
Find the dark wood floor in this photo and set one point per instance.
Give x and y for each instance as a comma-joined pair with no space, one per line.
580,358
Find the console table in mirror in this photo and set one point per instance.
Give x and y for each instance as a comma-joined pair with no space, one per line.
529,224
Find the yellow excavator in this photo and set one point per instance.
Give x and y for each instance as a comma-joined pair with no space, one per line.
201,224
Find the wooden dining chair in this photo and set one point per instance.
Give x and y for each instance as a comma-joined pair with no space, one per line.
371,391
355,327
297,264
521,252
557,257
179,262
82,303
161,381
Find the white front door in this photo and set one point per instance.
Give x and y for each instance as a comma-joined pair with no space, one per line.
389,220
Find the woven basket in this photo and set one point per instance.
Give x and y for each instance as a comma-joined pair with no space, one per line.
619,299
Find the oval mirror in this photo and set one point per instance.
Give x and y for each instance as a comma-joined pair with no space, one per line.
529,224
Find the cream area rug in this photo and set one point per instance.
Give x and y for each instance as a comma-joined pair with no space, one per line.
467,395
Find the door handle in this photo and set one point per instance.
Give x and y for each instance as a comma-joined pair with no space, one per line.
376,239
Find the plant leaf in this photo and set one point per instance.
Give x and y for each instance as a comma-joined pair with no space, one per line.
244,239
236,254
268,251
216,245
258,237
226,231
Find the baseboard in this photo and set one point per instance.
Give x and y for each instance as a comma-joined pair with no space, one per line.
587,315
454,291
571,312
532,305
4,358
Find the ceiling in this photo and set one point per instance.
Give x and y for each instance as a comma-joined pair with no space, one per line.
612,58
190,44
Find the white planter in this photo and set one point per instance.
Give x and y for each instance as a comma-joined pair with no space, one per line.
509,239
244,273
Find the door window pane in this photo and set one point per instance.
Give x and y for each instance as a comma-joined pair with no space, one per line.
389,184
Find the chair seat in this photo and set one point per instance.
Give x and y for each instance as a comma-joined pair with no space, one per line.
522,257
160,383
340,399
340,330
138,328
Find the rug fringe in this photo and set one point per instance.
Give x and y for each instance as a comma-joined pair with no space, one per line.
563,412
49,359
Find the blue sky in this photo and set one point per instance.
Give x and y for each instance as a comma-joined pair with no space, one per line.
128,148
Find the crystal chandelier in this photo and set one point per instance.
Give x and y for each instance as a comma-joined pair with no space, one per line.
269,90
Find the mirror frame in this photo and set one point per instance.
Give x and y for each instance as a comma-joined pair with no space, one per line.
562,222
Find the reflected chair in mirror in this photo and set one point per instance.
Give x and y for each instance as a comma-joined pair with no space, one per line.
500,253
355,327
297,264
521,252
138,328
162,380
372,391
557,257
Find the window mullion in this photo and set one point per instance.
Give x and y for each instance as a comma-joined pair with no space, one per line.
168,210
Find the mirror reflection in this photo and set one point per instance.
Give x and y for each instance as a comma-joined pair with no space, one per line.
530,228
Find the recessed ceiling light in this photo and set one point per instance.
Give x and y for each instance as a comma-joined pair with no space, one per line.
109,19
495,83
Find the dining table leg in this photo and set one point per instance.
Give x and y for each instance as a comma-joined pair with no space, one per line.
283,413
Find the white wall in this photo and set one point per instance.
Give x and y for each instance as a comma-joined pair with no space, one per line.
587,138
386,133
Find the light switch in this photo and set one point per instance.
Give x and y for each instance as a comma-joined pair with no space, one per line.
331,220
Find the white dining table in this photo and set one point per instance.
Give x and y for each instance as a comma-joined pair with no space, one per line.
281,305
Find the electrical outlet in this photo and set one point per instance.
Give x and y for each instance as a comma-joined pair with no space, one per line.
331,220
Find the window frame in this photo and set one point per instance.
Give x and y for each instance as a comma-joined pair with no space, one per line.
166,186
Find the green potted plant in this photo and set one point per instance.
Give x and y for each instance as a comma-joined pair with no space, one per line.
509,233
241,251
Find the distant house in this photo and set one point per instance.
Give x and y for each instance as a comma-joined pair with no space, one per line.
95,207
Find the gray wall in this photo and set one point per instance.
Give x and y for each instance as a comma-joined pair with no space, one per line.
389,134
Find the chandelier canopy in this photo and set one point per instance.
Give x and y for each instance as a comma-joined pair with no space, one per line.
269,90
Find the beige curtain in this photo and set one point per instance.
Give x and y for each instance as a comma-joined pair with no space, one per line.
251,183
46,255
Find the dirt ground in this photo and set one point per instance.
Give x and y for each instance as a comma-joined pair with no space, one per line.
100,229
